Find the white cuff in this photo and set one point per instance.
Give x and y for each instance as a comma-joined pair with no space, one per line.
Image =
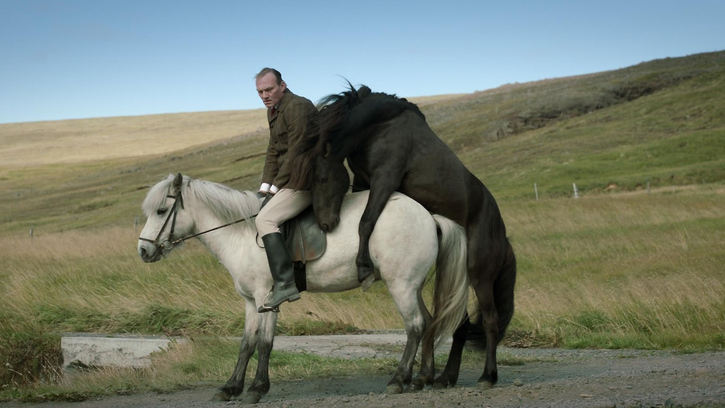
264,187
274,189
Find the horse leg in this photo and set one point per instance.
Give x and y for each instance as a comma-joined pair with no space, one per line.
235,385
260,385
378,198
484,263
449,376
427,361
410,310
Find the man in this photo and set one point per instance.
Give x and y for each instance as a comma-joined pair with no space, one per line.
288,116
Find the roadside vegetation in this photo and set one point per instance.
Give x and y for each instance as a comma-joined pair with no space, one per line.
634,262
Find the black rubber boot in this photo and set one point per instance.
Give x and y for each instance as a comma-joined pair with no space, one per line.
283,274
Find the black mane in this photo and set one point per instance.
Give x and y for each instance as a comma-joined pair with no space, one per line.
345,118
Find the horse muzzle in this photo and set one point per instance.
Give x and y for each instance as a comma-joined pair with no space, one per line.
328,225
151,252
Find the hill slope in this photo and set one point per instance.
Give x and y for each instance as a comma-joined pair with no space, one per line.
661,121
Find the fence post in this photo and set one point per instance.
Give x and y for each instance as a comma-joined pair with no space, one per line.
536,192
576,191
31,232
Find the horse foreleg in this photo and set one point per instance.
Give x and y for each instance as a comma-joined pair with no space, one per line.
376,203
235,385
449,376
260,385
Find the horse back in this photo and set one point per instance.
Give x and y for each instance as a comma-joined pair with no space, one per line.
404,154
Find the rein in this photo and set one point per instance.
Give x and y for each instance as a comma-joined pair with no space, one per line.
178,200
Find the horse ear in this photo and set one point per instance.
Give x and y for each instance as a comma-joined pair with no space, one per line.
177,181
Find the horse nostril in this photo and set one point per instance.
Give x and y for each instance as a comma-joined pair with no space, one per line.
143,253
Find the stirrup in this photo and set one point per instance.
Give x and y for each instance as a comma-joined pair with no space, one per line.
264,309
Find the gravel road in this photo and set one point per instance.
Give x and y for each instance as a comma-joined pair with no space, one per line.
553,378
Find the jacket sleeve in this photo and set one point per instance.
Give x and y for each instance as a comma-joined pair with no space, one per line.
271,166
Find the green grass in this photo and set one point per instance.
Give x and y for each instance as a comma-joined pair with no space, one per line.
620,267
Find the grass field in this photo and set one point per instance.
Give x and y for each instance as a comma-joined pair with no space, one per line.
620,267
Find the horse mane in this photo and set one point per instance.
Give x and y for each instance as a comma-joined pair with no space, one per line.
225,203
343,121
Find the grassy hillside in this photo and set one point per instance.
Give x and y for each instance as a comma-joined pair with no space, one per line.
660,121
616,268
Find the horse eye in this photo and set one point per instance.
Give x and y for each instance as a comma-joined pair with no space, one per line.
161,211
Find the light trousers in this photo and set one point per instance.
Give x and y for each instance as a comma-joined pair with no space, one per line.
284,205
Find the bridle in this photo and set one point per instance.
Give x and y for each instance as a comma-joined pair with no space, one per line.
161,246
169,243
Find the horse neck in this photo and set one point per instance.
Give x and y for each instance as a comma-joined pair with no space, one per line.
225,243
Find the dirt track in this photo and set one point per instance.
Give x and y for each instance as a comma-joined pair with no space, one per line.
557,378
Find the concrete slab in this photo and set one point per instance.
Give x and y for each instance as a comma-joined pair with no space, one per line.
134,351
94,350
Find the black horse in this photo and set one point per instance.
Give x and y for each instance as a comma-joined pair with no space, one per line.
390,147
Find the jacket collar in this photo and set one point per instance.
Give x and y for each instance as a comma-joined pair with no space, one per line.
281,105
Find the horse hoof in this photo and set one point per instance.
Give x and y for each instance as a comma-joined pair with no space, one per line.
251,397
417,385
221,396
440,385
394,389
367,283
485,385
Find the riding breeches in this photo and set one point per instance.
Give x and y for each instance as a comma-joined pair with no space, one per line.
284,205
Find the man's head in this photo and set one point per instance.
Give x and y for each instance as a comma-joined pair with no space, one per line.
270,86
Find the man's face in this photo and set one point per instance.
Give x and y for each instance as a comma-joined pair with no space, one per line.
268,89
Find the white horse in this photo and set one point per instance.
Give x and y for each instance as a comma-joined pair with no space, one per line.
407,242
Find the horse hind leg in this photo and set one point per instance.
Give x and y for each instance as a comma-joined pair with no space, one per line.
484,287
449,375
427,363
410,310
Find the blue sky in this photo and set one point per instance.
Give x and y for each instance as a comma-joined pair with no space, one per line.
67,59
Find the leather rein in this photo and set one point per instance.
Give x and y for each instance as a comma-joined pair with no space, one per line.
169,243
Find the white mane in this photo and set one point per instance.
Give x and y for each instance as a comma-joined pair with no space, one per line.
226,204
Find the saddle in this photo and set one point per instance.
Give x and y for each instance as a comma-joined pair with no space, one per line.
305,242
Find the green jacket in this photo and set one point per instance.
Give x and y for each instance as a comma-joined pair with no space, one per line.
286,128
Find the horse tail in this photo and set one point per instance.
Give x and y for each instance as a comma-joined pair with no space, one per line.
503,293
451,283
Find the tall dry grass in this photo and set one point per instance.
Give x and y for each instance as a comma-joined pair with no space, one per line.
622,271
